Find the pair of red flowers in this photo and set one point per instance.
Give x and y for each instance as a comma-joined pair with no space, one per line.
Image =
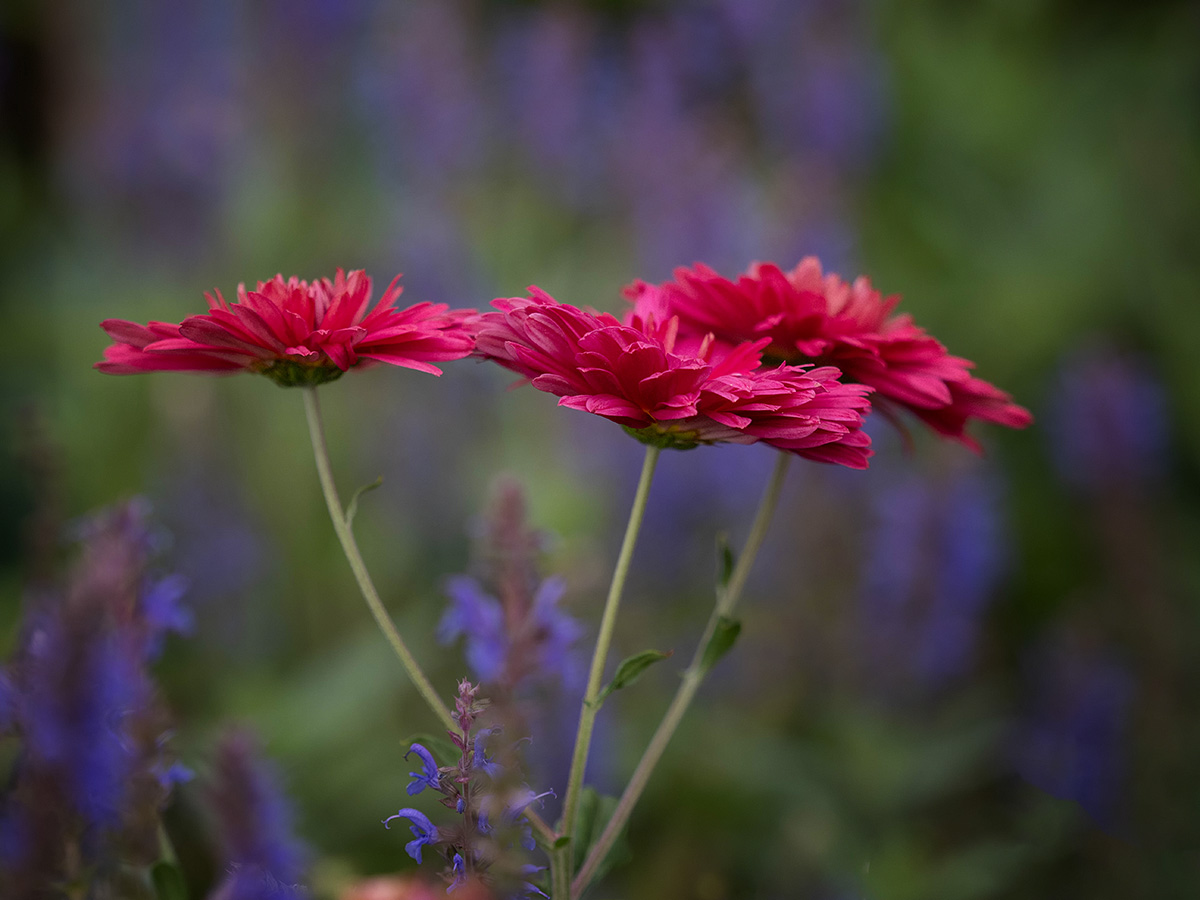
697,360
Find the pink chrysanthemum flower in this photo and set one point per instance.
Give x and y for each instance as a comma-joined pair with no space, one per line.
806,316
296,332
634,375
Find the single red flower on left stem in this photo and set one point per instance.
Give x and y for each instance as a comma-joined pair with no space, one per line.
298,333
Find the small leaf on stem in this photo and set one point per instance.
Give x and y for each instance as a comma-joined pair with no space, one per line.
721,642
168,880
725,561
592,816
631,669
352,509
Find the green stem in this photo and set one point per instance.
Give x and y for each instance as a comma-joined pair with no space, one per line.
317,432
549,835
727,601
587,713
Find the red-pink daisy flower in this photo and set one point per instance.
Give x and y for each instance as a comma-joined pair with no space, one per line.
297,332
634,375
805,316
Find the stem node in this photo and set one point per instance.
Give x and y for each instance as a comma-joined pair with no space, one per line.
587,714
712,645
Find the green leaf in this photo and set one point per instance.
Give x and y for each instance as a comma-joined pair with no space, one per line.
591,816
725,561
631,669
352,509
443,750
720,643
168,881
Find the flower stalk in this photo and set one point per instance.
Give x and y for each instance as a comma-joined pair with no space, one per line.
561,870
693,677
341,525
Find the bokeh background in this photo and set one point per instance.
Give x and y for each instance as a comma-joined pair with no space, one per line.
959,677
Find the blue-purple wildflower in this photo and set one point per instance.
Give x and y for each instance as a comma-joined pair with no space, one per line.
1108,421
557,633
528,888
516,634
219,546
164,612
95,767
557,92
253,815
250,883
424,831
477,616
162,135
934,560
420,69
429,776
8,702
510,817
476,847
1071,738
458,872
481,760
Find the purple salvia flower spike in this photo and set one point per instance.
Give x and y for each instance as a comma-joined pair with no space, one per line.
95,770
515,633
252,883
254,813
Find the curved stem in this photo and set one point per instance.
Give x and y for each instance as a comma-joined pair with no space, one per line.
727,601
549,835
316,431
587,713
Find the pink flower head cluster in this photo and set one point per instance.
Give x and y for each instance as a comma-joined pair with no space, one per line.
297,332
807,316
638,375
